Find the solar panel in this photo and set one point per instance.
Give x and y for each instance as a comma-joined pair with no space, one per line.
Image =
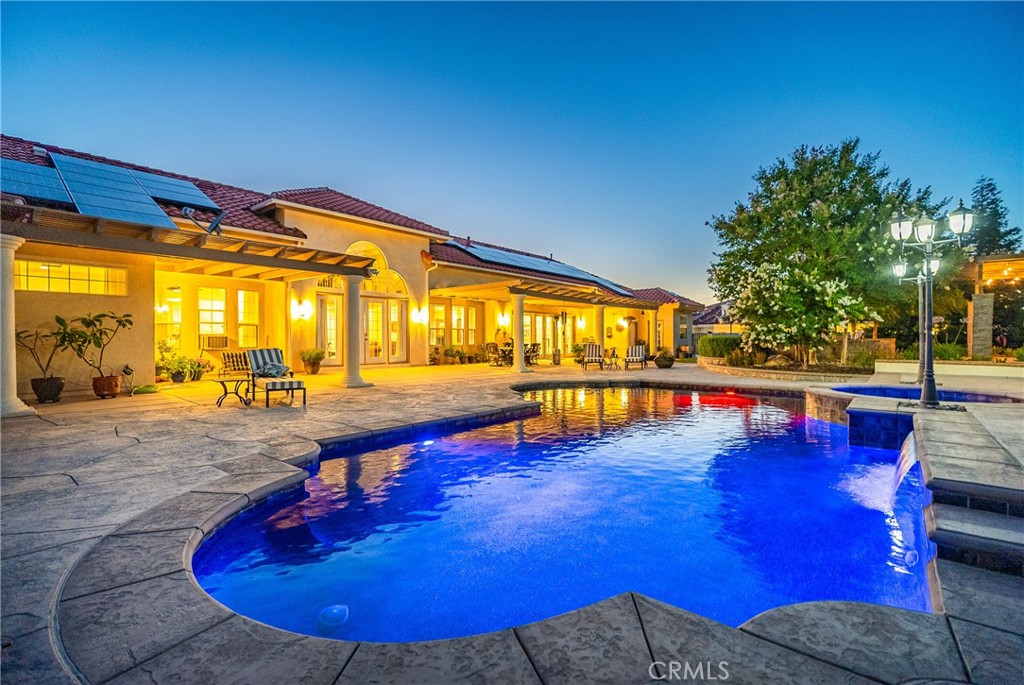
174,190
109,192
32,181
548,266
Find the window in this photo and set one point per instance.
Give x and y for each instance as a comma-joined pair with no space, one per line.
458,324
248,318
53,277
527,328
168,318
211,311
437,324
658,336
471,326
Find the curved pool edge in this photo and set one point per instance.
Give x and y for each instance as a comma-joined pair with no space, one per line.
132,600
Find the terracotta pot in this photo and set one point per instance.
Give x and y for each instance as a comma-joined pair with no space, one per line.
312,368
47,389
106,386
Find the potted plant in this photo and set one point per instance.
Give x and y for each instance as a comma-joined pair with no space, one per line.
199,366
450,354
577,353
664,358
178,368
461,354
311,359
42,346
94,332
166,352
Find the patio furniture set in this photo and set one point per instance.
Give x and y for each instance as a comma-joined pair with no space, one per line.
254,370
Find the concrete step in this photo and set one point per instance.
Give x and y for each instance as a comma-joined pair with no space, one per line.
979,538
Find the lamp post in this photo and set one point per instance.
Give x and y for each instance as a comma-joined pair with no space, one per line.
927,234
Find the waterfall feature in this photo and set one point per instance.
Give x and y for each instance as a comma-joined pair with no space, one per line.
904,462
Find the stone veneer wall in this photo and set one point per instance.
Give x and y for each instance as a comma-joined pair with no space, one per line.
827,405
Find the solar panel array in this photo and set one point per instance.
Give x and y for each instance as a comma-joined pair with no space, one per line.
548,266
32,180
109,192
174,190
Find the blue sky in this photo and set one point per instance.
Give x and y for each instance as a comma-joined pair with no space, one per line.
607,134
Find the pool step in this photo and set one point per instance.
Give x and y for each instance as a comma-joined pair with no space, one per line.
979,538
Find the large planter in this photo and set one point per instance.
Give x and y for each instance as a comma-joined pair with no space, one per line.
663,363
178,377
312,368
48,389
106,386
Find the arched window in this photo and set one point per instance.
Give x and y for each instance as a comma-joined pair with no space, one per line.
387,281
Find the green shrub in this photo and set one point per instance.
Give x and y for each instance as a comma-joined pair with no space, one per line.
941,351
862,357
717,345
741,357
1018,354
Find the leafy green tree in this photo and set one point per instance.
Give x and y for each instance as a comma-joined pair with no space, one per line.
820,213
991,233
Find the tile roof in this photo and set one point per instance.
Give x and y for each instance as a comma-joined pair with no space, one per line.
450,253
336,201
714,313
236,201
662,296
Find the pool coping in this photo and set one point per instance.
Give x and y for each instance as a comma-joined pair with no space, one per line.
131,606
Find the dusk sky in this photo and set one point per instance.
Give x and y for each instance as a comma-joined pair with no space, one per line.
607,134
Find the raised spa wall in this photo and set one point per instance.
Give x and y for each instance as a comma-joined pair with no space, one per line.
877,427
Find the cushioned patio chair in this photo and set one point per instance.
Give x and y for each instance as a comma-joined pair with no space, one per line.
270,374
636,354
493,355
592,354
532,354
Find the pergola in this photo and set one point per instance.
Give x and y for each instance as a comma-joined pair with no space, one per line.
987,271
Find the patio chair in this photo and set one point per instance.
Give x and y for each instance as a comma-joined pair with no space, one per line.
233,363
635,354
592,354
532,354
269,374
493,355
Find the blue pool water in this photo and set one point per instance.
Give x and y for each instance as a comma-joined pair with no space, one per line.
913,392
720,504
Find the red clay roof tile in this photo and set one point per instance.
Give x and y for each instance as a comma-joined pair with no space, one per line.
335,201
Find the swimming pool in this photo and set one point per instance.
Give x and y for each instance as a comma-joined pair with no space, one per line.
721,504
910,392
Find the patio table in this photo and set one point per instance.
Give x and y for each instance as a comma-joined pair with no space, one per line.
234,391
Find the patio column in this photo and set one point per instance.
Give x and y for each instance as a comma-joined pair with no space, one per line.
10,404
599,324
519,333
353,333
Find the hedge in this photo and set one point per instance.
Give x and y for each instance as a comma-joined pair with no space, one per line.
717,345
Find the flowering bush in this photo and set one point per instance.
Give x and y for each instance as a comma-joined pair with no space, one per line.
785,306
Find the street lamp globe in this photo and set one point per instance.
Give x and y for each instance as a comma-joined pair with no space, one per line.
901,226
961,219
924,228
899,269
933,265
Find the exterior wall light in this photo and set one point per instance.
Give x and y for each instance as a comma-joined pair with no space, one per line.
302,311
581,323
504,319
418,315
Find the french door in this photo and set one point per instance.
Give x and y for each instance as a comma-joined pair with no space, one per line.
384,324
329,328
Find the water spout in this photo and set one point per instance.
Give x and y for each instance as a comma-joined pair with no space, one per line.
904,462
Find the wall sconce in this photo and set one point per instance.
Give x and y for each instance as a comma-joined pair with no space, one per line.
581,323
504,319
418,315
620,325
162,309
302,311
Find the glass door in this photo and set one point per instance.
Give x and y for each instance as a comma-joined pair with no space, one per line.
397,316
328,328
373,331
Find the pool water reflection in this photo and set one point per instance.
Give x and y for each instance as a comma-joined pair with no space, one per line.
720,504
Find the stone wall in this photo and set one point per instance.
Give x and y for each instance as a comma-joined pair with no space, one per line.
979,329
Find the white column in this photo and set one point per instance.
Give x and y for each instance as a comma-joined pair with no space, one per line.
10,404
599,324
519,334
353,333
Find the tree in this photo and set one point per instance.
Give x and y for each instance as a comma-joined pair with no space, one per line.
991,233
820,213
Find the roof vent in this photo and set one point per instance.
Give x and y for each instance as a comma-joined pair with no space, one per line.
39,151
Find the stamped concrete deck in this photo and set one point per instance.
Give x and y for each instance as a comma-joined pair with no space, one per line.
103,502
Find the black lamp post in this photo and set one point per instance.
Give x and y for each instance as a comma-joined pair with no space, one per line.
959,222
